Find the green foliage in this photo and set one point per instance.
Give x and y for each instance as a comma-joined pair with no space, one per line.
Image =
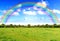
29,26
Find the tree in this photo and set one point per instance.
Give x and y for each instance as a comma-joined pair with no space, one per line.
3,25
11,25
46,25
29,25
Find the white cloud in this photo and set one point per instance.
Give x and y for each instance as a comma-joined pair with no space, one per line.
29,8
33,12
18,10
11,10
44,3
56,11
28,19
24,10
40,12
35,8
6,11
19,5
15,13
0,18
30,12
59,19
2,11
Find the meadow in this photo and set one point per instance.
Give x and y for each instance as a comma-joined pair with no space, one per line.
29,34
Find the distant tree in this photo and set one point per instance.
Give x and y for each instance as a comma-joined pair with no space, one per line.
55,25
7,26
46,26
2,25
11,25
58,26
19,25
38,25
35,25
14,26
42,26
29,25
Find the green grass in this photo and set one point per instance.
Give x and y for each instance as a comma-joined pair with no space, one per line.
29,34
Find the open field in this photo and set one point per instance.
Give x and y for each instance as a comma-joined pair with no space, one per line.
29,34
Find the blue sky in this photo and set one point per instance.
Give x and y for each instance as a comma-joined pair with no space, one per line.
9,3
20,17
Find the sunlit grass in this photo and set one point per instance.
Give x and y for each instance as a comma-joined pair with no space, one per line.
29,34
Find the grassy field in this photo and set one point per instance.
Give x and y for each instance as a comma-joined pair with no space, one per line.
29,34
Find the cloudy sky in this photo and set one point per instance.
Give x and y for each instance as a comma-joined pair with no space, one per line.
29,15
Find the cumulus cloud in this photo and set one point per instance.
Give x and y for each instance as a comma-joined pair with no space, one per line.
33,12
29,8
28,19
35,8
0,18
3,11
44,3
30,12
18,10
15,13
56,11
6,11
40,12
19,5
59,19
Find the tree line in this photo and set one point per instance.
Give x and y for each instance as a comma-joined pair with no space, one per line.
29,26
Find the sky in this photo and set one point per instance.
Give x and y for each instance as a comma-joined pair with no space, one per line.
31,16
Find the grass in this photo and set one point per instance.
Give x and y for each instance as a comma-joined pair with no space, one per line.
29,34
